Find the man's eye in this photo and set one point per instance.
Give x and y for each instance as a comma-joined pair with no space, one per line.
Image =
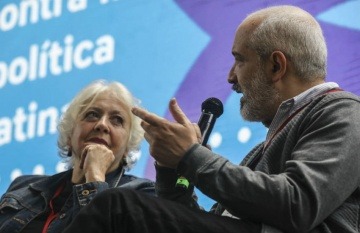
238,59
239,62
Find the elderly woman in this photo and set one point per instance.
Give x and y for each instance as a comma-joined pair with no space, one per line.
98,133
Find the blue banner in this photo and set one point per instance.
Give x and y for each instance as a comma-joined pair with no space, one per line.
51,49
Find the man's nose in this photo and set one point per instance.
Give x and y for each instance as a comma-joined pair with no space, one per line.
231,76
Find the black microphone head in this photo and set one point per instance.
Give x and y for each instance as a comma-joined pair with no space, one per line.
213,105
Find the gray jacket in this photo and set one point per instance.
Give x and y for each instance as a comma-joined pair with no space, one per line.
306,180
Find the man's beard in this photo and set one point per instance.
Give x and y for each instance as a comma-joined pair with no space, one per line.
260,99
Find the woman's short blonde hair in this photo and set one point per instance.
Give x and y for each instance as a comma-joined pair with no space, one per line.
83,100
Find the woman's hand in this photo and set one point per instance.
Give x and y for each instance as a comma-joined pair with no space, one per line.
95,161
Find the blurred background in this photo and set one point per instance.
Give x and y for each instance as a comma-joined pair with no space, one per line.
159,49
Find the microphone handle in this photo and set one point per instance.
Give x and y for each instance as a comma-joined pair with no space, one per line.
206,124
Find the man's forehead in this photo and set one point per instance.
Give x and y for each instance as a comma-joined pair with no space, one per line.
250,24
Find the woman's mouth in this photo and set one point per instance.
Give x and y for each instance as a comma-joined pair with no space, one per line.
99,141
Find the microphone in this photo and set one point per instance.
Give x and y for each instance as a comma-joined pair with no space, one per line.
211,109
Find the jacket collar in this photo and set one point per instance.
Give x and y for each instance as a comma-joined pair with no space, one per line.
51,182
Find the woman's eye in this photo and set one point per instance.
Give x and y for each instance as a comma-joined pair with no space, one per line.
91,115
118,120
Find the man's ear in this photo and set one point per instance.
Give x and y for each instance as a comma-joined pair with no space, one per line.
278,64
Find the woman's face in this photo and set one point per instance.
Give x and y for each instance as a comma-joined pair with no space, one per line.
107,122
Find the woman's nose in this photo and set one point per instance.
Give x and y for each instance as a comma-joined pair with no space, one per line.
102,125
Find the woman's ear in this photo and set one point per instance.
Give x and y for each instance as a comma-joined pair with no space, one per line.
124,159
69,154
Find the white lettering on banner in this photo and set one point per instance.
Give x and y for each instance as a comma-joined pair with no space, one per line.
76,5
31,11
28,125
5,130
56,58
105,1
